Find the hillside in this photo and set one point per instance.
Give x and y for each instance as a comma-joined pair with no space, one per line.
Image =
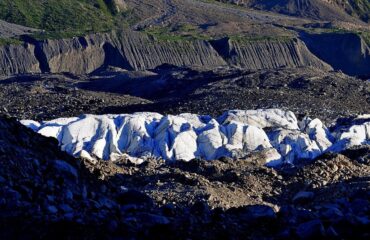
329,10
61,17
359,8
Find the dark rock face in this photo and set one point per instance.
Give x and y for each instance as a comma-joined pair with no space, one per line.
268,54
77,55
347,52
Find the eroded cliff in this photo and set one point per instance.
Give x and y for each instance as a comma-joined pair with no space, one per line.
347,52
267,53
138,51
15,59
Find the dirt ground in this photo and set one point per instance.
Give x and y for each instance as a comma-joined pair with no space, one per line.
326,95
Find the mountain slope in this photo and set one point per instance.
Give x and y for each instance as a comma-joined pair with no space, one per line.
76,16
329,10
360,8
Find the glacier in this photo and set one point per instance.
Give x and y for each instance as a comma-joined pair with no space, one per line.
275,133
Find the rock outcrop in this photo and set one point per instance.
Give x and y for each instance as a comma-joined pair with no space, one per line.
145,52
325,10
15,59
77,55
277,133
120,5
128,50
137,51
347,52
268,53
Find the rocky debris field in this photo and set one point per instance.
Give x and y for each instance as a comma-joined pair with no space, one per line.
326,95
45,193
173,90
52,96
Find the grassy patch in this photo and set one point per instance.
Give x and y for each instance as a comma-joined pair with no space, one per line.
64,18
127,18
181,32
187,32
8,41
225,4
364,34
248,39
327,30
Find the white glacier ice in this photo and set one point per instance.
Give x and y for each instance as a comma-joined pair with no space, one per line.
236,133
353,134
31,124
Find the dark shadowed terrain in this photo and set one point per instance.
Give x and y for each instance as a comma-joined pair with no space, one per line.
327,95
47,194
66,58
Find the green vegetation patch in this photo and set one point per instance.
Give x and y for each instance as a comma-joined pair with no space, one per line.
363,34
248,39
8,41
62,18
225,3
181,32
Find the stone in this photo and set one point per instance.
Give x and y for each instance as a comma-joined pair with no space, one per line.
303,197
112,225
168,210
360,206
52,209
65,168
69,216
68,195
65,208
258,212
12,194
332,214
134,197
363,220
200,208
2,180
331,232
310,230
153,219
107,202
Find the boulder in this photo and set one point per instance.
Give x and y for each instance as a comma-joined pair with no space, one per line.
310,230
